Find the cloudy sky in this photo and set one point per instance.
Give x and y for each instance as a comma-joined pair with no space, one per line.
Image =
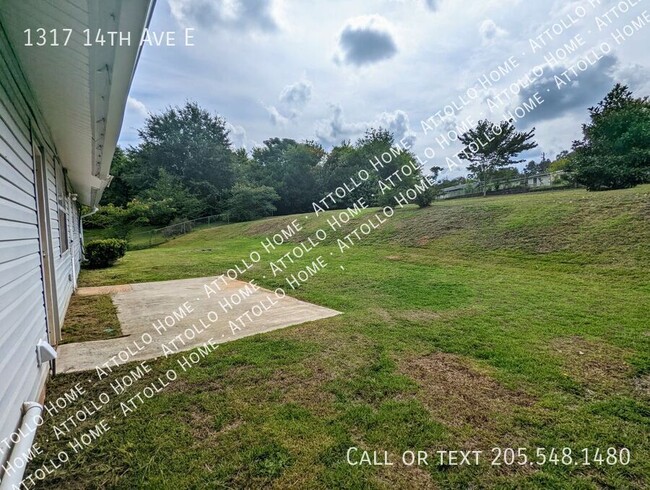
327,70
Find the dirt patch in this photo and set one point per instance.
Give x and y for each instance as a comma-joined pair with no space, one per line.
599,366
470,402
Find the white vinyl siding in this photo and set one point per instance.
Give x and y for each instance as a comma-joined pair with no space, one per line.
22,310
22,304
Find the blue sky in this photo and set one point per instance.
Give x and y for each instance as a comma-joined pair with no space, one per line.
327,70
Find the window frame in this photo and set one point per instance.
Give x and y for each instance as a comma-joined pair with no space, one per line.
62,208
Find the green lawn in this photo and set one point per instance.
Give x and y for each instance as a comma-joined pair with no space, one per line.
513,321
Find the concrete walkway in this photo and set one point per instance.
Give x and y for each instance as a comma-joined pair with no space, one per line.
160,318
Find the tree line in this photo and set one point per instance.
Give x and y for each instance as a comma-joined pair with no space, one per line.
185,165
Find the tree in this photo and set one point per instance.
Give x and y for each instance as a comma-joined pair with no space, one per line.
614,152
119,192
531,168
379,143
190,144
169,199
561,162
248,203
119,221
342,165
490,146
426,197
300,184
289,167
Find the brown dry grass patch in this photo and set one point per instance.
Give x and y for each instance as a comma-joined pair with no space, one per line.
401,476
420,315
599,366
90,318
270,226
439,222
468,401
642,385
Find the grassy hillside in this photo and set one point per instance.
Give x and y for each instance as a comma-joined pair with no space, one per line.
513,321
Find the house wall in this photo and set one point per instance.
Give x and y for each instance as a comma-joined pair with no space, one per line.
22,304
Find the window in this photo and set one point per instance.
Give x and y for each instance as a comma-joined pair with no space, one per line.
64,242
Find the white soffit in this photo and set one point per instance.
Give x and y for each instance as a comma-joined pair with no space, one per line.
81,90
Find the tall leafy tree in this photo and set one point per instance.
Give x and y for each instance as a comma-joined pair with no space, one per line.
490,146
191,144
342,165
119,192
614,152
291,168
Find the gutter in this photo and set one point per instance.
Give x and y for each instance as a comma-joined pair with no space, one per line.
21,452
95,209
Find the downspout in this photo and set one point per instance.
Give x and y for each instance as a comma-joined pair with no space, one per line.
20,454
95,209
81,228
72,202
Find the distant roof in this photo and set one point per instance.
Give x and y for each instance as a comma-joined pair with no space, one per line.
81,90
459,186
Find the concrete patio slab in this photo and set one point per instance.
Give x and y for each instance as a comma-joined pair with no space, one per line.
162,318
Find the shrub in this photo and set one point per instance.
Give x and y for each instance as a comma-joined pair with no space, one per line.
104,253
248,203
424,198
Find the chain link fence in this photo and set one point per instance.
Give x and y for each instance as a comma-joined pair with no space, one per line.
151,238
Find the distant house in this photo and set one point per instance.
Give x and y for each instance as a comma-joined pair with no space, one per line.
521,183
540,180
459,190
61,110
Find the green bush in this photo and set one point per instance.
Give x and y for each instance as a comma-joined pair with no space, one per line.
248,203
424,198
103,253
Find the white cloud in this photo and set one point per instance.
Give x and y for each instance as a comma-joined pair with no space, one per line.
277,118
490,31
293,99
137,106
431,58
397,122
237,135
333,130
297,95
